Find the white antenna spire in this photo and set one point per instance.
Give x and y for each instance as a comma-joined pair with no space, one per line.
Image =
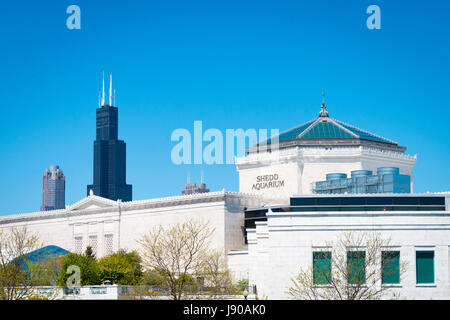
202,178
110,89
99,97
103,90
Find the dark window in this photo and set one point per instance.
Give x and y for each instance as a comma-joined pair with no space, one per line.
303,201
406,200
425,267
379,201
351,201
432,201
328,201
390,267
356,267
322,267
255,213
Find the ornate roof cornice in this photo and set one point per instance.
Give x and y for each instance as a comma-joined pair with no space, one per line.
103,205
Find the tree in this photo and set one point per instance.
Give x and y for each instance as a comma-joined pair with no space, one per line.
121,268
357,267
177,252
152,278
89,271
242,285
89,253
45,272
216,275
15,243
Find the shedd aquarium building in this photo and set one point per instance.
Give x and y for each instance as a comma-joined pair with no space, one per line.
325,178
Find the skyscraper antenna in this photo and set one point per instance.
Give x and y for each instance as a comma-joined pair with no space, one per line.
99,97
110,89
103,90
202,177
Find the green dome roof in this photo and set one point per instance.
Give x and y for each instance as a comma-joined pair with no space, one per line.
324,131
328,128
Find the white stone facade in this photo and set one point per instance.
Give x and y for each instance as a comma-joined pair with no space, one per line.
287,172
110,225
283,244
277,248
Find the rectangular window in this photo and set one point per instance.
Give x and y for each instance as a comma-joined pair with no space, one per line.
322,267
390,267
93,244
356,267
372,201
424,267
353,201
328,202
108,246
78,244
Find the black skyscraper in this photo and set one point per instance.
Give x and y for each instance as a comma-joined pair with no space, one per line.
109,156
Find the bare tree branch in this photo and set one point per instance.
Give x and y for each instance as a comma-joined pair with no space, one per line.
356,270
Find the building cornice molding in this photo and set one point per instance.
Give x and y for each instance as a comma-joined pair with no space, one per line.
358,214
73,211
300,154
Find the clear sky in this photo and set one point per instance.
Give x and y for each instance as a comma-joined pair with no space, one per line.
232,64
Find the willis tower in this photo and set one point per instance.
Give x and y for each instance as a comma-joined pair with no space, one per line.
109,154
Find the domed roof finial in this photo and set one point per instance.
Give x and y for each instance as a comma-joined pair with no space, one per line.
323,112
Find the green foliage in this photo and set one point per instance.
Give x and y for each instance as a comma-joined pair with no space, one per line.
121,268
176,251
89,252
15,242
10,275
242,284
90,273
45,272
35,296
153,277
185,279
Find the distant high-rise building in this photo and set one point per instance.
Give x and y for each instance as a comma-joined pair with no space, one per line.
193,188
53,189
109,154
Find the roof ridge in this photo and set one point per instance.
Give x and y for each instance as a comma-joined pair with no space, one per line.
344,128
288,130
364,131
87,199
309,128
320,120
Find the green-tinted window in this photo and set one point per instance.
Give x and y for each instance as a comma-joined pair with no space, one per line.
293,133
356,267
326,130
390,267
425,266
322,267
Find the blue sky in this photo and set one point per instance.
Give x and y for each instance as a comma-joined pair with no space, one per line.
232,64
